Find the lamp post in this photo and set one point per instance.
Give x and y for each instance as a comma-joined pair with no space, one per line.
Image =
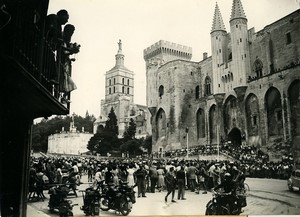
187,142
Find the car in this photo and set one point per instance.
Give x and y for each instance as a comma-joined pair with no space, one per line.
294,180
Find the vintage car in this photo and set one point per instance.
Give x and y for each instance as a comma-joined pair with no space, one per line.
294,181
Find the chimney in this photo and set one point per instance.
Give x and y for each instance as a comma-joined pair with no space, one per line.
204,55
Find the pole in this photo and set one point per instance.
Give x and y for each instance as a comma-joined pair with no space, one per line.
187,145
187,142
218,142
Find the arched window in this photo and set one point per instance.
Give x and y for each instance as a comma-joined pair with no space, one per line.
230,56
128,82
258,66
109,82
122,80
109,90
207,86
161,91
197,92
123,89
128,90
114,80
114,89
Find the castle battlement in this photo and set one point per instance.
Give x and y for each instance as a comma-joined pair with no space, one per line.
168,47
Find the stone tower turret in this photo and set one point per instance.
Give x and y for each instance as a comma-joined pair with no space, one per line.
119,80
240,45
219,43
157,55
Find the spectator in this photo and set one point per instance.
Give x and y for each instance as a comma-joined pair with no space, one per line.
170,181
181,177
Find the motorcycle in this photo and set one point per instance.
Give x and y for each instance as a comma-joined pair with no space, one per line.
220,204
120,199
58,201
91,201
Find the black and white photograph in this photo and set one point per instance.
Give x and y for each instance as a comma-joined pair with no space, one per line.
149,108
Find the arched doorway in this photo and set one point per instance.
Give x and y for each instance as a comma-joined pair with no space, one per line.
213,123
230,113
235,136
294,96
200,123
274,112
161,124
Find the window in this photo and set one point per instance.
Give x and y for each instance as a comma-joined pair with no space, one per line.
161,91
114,80
109,82
258,66
128,90
288,38
128,82
254,120
122,80
109,91
207,86
123,89
114,89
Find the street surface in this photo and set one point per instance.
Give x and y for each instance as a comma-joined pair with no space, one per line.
266,197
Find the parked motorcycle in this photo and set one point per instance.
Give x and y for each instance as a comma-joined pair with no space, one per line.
91,201
225,204
58,201
120,199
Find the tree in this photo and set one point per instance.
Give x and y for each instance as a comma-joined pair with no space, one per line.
112,122
106,139
129,133
133,147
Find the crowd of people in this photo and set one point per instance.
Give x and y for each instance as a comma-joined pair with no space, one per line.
156,175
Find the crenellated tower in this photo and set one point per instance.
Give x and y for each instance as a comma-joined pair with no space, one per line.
157,55
239,44
219,43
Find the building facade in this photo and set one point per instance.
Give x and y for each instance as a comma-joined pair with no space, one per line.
72,142
246,92
119,95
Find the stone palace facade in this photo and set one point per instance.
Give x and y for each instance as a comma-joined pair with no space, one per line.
246,92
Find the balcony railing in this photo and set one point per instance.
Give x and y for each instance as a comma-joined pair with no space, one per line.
29,47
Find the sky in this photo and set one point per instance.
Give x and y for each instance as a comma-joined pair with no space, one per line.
100,24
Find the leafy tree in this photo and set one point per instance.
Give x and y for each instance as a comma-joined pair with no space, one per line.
133,147
129,133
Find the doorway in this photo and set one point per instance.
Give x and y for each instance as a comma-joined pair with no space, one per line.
235,137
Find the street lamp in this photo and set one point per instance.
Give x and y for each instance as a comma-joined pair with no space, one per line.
187,142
